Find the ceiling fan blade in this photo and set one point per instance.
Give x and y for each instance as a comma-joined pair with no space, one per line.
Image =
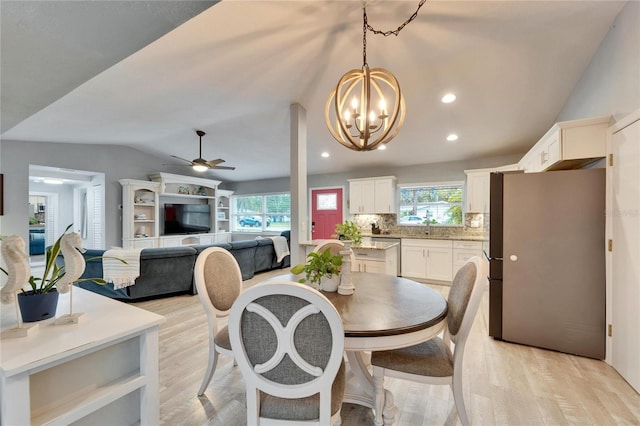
183,159
223,168
177,165
212,163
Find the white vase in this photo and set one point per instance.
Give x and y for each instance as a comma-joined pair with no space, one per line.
330,284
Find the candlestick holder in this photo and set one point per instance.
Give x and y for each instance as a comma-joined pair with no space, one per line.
346,286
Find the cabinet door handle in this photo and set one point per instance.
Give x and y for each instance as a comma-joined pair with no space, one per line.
544,156
365,267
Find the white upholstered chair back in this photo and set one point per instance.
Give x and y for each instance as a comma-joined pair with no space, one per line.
219,282
288,341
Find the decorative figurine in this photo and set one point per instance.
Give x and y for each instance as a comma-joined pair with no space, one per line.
18,273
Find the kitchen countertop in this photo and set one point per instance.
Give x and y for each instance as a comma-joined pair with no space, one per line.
371,245
430,237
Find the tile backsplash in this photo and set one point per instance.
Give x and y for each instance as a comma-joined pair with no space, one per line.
476,224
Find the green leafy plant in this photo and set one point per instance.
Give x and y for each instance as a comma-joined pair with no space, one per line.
53,272
319,264
348,231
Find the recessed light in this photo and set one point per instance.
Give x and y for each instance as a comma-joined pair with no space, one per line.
448,98
452,137
382,147
54,181
325,154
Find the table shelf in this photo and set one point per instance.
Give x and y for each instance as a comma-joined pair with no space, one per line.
88,402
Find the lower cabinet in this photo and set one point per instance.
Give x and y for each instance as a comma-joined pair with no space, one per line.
195,239
376,261
463,251
427,259
141,243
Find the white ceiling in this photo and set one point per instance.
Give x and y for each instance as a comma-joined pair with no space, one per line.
234,69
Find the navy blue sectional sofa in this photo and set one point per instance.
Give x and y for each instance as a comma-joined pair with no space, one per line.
169,271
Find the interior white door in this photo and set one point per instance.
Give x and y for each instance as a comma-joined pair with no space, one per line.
625,268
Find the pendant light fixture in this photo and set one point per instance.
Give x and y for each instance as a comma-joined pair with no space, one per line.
367,109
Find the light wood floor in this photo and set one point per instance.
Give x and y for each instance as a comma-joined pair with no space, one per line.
504,383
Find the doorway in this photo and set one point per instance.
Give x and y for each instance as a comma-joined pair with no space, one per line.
60,197
326,212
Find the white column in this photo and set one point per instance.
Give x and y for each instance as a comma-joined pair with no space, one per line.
299,212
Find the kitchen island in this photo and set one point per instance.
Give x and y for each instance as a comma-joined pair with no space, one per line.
370,256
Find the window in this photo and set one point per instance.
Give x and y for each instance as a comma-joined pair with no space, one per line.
437,203
266,212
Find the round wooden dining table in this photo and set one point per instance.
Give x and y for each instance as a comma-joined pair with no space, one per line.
385,312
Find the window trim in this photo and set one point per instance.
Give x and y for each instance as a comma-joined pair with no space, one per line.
263,214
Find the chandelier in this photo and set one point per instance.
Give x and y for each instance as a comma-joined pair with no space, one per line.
367,109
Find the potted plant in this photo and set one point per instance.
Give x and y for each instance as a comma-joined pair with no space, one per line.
322,270
41,301
348,231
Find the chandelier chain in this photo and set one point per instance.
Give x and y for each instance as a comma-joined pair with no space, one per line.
397,30
366,26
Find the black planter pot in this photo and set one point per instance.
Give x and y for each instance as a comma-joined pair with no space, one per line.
37,307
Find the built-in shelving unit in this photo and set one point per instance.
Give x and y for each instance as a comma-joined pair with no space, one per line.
223,211
140,225
142,202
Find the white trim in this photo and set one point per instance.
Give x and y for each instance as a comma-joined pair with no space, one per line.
613,129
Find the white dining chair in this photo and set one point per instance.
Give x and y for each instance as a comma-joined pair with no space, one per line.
289,341
433,361
219,282
335,247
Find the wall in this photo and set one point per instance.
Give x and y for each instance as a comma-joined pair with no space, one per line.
116,162
611,82
421,173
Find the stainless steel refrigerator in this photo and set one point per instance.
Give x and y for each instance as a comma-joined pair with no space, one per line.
547,260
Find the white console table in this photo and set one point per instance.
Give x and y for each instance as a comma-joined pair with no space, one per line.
103,370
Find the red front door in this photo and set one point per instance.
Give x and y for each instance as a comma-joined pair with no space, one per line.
326,212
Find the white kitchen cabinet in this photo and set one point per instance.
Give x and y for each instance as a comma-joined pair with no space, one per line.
427,259
361,196
385,195
463,251
568,145
377,261
372,195
477,191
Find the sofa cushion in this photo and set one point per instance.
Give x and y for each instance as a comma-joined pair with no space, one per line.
200,248
245,254
265,255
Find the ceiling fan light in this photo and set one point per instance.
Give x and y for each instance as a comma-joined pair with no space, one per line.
200,168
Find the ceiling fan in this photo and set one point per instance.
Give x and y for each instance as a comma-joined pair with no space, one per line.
202,165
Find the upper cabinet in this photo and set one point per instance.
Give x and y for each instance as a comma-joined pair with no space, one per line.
477,200
568,145
477,188
372,195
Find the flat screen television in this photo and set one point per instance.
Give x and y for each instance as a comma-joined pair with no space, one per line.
187,219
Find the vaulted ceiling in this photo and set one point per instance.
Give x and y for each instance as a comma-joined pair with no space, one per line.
147,74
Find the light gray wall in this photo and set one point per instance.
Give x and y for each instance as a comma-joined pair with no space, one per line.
422,173
611,82
116,162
